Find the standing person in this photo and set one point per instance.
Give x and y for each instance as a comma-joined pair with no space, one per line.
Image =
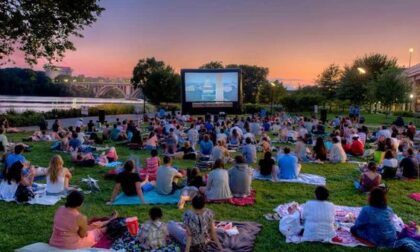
374,222
129,182
58,177
166,177
240,178
71,229
249,151
319,217
199,228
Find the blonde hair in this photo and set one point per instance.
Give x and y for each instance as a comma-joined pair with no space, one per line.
56,166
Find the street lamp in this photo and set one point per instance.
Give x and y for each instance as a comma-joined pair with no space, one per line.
411,101
273,84
361,70
411,50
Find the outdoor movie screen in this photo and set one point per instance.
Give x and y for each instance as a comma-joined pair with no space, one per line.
209,86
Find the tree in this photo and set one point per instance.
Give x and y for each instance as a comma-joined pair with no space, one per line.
252,78
163,85
212,65
357,81
328,81
268,93
42,29
392,87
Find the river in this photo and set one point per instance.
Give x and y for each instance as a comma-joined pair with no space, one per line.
44,103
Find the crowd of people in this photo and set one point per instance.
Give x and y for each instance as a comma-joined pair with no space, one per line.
212,142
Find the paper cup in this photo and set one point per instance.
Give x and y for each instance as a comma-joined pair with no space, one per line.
132,225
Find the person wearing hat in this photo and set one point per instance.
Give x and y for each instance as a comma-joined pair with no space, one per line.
357,147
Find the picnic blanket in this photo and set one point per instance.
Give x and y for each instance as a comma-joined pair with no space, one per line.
41,197
113,164
414,196
247,201
303,178
42,247
242,242
342,226
151,197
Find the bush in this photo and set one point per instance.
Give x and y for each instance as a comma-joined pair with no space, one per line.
24,119
249,108
404,113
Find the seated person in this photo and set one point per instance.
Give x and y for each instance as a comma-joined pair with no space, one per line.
75,142
58,177
301,149
17,155
337,153
166,177
117,134
194,182
129,182
152,142
171,142
357,148
152,165
369,179
199,227
81,135
249,151
13,179
240,178
71,229
187,151
389,165
217,187
220,152
409,165
320,152
374,223
206,146
112,155
289,168
319,217
91,126
235,138
346,146
267,166
82,159
153,234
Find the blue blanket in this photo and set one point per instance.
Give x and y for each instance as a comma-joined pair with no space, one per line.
151,197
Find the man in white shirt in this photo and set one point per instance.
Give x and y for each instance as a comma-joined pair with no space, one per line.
383,132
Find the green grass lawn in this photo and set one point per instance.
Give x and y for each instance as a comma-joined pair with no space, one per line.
24,224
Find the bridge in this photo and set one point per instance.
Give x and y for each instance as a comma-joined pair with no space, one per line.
101,88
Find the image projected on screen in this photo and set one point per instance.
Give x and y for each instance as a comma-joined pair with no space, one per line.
211,87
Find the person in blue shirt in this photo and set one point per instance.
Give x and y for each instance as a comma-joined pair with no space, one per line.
115,133
15,156
206,146
249,151
288,165
209,126
374,222
75,141
266,126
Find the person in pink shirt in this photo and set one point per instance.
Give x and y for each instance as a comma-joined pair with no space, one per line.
151,142
71,229
152,165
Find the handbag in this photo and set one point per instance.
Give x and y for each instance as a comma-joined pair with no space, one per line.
24,194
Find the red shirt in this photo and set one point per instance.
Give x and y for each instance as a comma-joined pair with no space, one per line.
357,148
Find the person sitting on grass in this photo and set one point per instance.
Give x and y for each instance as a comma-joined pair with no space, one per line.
409,165
369,179
82,159
357,148
374,223
58,176
75,142
267,166
301,149
289,168
117,134
319,217
166,178
220,152
249,151
240,178
129,182
151,142
153,234
152,165
320,152
171,142
194,182
13,179
337,153
199,227
188,152
71,229
389,165
206,146
217,187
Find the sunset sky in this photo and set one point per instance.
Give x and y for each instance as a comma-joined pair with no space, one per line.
295,39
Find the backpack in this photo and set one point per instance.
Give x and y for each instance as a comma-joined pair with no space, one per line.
116,228
24,194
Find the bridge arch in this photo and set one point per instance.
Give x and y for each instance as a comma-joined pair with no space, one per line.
105,89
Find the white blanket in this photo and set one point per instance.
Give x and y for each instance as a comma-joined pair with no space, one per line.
41,198
303,178
42,247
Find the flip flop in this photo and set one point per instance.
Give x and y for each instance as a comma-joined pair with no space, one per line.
269,216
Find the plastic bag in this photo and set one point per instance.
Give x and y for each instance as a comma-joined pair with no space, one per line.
290,224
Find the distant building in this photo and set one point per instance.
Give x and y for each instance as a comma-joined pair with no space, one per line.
54,71
414,74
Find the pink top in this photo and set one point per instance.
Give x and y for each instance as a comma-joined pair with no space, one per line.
112,153
153,141
152,165
65,229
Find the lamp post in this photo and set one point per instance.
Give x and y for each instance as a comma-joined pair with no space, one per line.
361,70
411,102
272,96
411,50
